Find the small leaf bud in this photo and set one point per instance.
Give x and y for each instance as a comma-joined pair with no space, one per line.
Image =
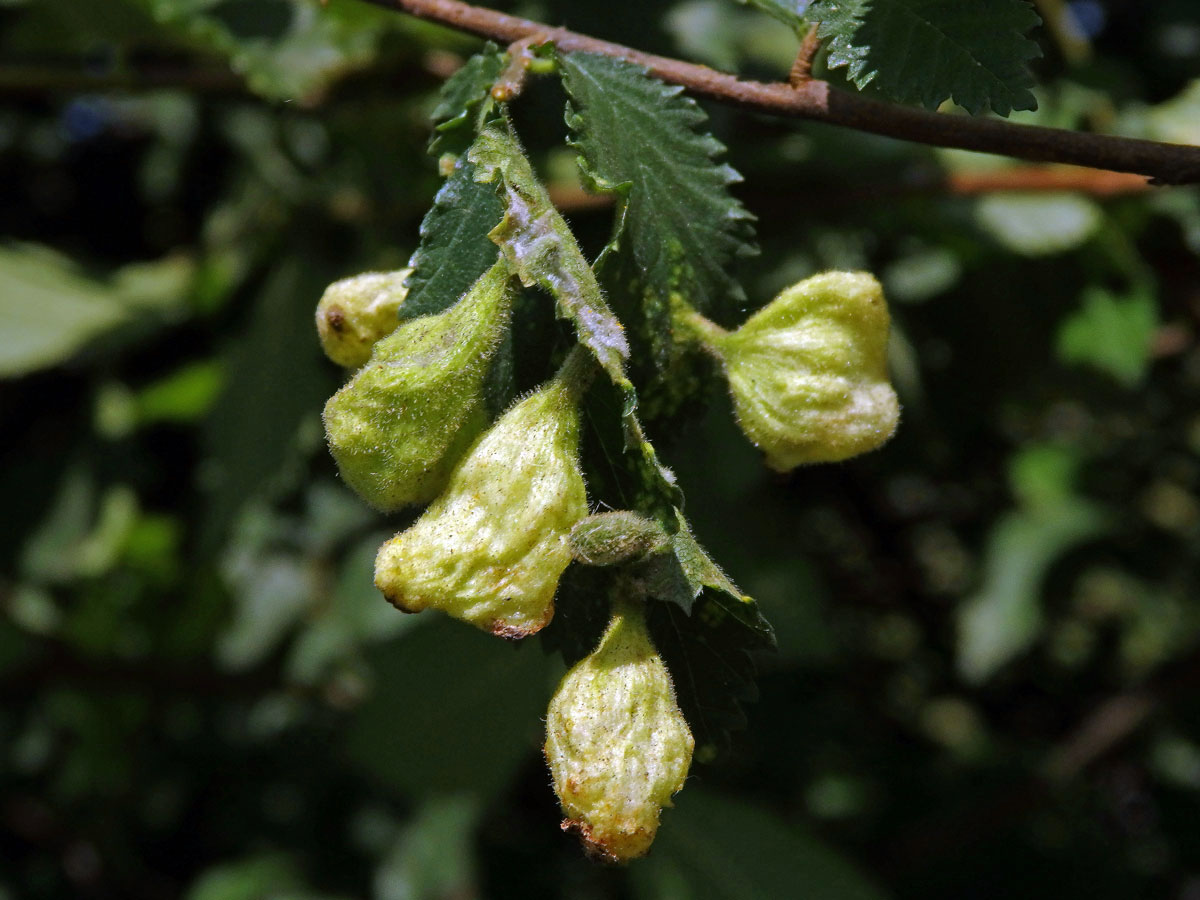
356,312
617,744
397,428
491,548
611,538
808,373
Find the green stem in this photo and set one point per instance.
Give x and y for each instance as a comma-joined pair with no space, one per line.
577,371
627,602
690,327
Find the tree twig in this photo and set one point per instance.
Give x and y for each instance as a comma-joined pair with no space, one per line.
802,67
819,101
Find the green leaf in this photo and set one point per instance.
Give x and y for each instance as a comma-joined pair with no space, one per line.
1004,617
1177,120
257,878
789,12
464,100
51,310
434,856
454,249
453,709
925,51
185,395
698,568
637,139
720,35
1111,333
542,249
1039,224
710,654
284,48
713,848
251,435
707,631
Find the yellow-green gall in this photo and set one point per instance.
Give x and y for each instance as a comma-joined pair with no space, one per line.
617,744
356,312
491,548
398,427
808,372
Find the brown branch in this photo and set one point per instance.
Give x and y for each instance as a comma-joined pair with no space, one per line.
819,101
802,67
1098,183
1018,179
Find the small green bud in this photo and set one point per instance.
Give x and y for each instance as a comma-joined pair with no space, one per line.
616,743
808,373
623,536
356,312
397,428
491,548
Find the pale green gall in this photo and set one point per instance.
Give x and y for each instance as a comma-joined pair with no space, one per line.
808,372
398,427
617,744
490,549
356,312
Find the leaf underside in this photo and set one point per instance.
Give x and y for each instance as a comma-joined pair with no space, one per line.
975,52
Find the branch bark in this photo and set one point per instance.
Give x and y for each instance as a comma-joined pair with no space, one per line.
819,101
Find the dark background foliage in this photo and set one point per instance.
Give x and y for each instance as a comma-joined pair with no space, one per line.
985,682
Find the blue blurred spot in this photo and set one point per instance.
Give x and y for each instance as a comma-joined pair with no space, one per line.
85,118
1089,15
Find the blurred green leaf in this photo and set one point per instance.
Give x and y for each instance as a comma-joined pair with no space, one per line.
285,49
1004,617
183,396
349,618
451,709
271,593
272,877
49,552
51,310
1111,333
277,379
714,848
434,857
716,33
1039,224
1178,119
789,12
